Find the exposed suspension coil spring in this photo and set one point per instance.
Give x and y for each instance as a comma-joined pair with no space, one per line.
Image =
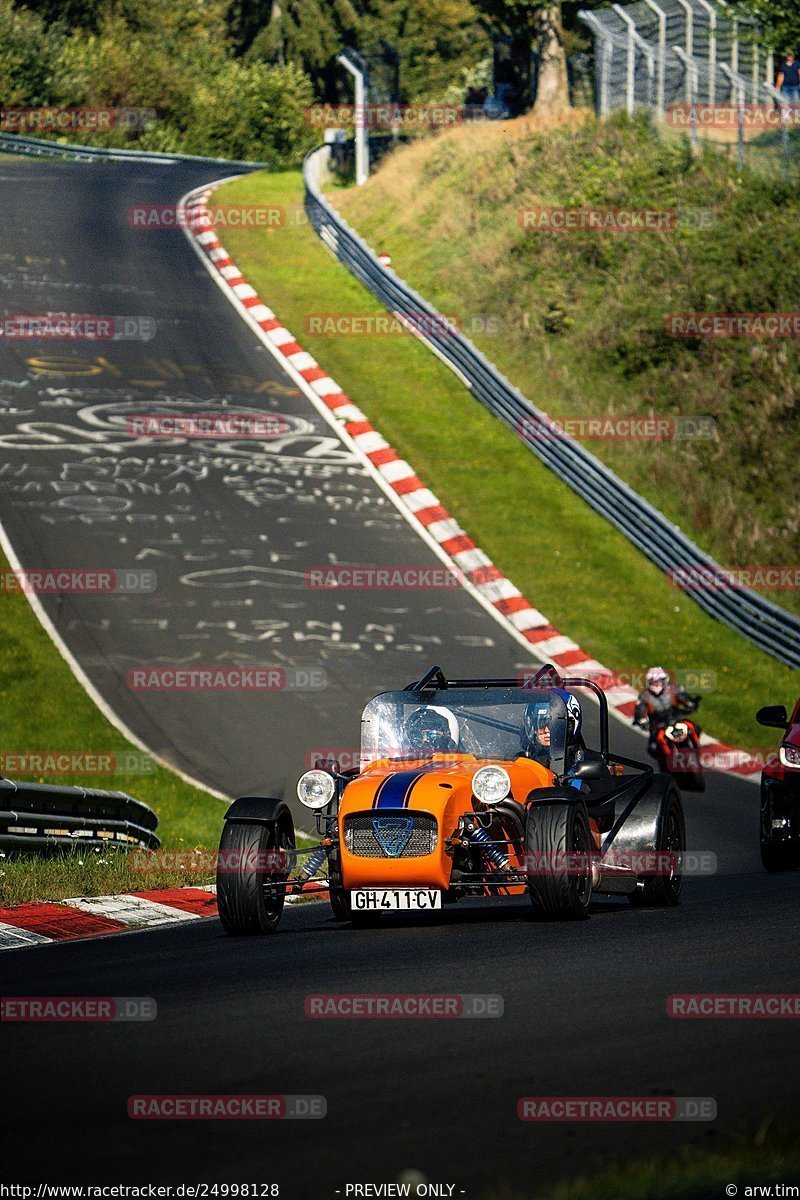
314,862
493,853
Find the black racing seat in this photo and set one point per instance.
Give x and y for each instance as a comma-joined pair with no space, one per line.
599,803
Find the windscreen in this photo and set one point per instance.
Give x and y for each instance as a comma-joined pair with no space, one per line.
489,723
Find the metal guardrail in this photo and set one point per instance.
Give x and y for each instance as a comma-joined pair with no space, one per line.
41,817
766,625
14,143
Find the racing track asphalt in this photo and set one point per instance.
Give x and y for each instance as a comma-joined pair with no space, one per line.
584,1004
229,530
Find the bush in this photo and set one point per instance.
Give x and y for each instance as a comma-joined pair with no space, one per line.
28,54
175,61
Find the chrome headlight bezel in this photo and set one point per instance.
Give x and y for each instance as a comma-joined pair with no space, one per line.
491,785
316,789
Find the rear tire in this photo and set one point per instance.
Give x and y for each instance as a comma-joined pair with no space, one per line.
559,831
246,901
664,891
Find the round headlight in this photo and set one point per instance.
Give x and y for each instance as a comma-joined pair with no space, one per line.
490,785
315,789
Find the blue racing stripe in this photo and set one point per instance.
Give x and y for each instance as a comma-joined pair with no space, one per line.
395,789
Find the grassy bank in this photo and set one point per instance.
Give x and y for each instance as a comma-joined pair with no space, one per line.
580,315
46,709
587,578
769,1155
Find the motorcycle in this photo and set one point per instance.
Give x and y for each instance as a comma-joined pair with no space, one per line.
677,746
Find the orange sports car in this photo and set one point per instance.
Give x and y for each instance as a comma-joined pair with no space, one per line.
465,788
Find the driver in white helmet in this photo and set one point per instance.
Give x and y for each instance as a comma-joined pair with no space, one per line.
431,729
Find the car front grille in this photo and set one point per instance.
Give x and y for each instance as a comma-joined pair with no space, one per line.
390,835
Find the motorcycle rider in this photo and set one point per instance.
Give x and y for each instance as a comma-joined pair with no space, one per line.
659,703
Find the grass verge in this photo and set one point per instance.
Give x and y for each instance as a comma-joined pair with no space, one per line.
579,320
585,576
46,709
770,1155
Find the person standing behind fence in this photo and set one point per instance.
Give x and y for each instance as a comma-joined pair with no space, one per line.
788,81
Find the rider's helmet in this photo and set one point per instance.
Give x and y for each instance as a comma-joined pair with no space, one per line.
656,680
431,730
574,713
537,723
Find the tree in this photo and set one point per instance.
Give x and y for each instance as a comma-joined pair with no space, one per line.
778,21
306,33
522,26
552,92
440,42
28,53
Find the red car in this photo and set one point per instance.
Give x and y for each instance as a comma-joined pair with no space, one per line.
780,792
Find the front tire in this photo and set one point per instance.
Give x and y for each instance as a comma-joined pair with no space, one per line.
249,898
556,833
339,898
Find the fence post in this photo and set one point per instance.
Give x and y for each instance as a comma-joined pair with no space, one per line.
603,59
631,58
712,50
738,87
691,81
662,56
689,42
785,111
755,72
